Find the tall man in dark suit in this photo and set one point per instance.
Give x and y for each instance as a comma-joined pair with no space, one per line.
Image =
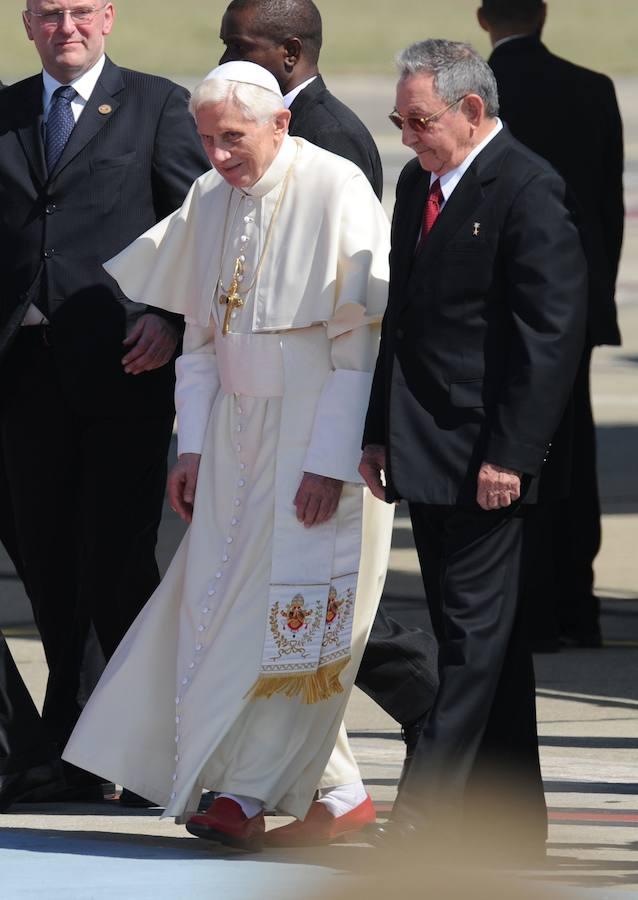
91,155
543,99
479,348
286,37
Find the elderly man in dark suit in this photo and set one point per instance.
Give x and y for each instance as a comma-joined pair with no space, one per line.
286,37
542,99
91,155
479,349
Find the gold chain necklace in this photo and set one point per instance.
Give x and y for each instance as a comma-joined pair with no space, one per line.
231,297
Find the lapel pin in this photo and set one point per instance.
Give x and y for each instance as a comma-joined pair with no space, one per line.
477,228
105,109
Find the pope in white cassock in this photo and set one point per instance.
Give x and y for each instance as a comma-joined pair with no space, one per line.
236,674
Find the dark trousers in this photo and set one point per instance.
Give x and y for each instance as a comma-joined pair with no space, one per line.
577,530
562,538
24,742
86,497
482,728
398,668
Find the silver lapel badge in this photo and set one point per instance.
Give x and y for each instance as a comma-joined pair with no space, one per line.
477,228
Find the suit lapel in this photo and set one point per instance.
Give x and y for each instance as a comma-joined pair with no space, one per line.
305,100
407,225
466,197
101,106
29,127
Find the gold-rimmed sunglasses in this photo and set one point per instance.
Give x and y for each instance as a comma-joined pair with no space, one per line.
420,123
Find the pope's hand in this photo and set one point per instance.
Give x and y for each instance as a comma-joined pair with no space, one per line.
370,468
497,486
152,341
182,482
317,498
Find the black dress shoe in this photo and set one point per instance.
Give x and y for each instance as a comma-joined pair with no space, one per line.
544,644
31,785
131,800
590,638
68,793
391,835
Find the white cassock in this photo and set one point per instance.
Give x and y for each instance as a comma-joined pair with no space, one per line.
235,675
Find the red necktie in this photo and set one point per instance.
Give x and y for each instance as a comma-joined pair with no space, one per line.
431,210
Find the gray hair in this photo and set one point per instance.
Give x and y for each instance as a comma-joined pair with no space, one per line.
457,69
254,102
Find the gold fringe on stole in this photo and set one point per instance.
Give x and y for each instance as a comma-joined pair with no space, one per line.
312,687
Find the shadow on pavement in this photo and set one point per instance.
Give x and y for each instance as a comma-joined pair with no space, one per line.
348,858
110,809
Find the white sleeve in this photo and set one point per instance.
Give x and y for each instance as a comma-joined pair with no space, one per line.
196,386
335,444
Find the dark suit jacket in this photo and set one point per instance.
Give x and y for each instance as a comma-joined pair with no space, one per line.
569,115
129,162
325,121
483,333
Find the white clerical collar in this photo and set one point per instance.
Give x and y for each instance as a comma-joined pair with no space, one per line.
84,84
276,171
506,40
290,96
450,180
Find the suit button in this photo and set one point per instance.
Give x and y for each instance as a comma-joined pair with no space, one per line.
50,209
399,334
49,253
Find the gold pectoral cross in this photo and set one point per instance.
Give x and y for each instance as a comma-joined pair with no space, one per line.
232,300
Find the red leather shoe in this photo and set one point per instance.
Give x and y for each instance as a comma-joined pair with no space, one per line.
224,822
321,827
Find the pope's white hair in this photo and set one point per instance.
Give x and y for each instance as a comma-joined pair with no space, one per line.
254,102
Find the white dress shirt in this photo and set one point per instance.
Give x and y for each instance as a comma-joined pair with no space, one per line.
84,86
290,96
450,180
506,40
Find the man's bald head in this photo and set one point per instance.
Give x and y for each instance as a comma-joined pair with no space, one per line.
282,20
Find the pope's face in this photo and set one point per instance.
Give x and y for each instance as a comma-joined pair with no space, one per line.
68,48
241,150
447,139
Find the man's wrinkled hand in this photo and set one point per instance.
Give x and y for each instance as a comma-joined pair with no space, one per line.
497,486
152,341
370,468
317,499
182,481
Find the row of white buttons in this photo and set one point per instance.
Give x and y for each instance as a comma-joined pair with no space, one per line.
244,240
211,591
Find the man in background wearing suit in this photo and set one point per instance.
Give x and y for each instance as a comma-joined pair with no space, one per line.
91,155
543,100
29,762
479,349
285,37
